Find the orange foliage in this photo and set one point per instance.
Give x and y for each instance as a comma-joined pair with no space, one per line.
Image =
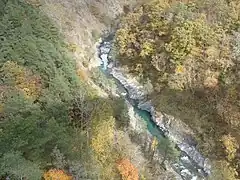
127,170
82,74
23,79
55,174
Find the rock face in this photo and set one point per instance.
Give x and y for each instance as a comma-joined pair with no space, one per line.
175,129
134,88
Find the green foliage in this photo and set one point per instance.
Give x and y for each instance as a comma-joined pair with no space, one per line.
58,159
168,150
78,171
50,118
102,80
236,45
35,62
29,130
120,112
15,164
30,39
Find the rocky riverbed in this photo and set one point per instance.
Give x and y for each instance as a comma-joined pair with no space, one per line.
192,164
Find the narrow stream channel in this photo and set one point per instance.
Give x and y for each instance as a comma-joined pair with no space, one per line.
185,167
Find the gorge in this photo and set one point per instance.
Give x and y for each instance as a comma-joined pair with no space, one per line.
120,89
192,165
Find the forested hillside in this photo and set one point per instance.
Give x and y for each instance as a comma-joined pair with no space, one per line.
50,119
53,123
39,84
190,52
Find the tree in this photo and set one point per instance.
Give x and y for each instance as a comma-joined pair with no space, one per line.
23,79
78,171
120,113
223,171
231,146
102,137
14,164
55,174
153,147
127,170
168,150
28,129
58,159
38,84
189,50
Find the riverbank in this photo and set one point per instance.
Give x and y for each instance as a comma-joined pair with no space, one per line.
166,125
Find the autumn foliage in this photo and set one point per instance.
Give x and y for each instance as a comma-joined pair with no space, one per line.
190,52
127,170
231,146
82,74
22,78
55,174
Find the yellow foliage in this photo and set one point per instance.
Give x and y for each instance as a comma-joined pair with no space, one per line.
147,49
54,174
179,69
231,146
154,143
223,171
124,38
102,139
196,52
212,52
23,79
73,47
211,79
232,92
102,145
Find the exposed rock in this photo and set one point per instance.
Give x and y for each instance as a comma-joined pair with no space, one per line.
135,120
135,90
196,156
175,129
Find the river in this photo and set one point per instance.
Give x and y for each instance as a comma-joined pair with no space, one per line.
185,166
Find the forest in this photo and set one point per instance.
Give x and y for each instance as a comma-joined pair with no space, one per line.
50,118
190,52
53,124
